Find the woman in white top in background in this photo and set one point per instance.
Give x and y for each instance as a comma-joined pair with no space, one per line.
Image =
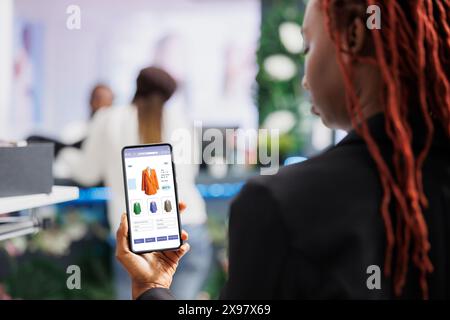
144,121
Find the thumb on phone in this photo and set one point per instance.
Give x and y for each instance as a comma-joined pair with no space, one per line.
122,236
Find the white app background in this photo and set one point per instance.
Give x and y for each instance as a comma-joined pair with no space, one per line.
153,212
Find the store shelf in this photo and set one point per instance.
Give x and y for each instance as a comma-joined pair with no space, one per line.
17,229
59,194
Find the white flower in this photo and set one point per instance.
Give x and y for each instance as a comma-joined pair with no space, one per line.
291,37
282,120
280,67
76,231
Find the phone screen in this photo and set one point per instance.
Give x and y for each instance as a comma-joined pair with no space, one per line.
151,195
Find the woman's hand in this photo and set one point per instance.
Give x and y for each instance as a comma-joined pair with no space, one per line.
148,270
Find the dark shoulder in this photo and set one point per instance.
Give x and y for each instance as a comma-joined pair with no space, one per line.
346,164
337,180
334,195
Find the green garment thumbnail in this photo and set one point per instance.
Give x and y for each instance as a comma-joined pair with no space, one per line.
137,208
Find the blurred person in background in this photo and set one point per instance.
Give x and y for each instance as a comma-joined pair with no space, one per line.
73,134
101,97
170,55
146,120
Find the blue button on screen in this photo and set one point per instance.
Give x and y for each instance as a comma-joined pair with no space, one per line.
175,237
136,241
162,238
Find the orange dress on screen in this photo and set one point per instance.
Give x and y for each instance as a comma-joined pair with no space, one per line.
149,182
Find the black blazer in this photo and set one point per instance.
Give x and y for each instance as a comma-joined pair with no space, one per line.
312,230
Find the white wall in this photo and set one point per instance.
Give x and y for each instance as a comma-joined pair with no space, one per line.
6,33
117,38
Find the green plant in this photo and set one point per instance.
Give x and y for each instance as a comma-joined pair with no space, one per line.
35,266
275,94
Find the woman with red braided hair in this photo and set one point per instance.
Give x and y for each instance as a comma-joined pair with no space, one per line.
379,198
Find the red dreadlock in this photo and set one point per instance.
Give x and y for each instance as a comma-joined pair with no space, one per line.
419,32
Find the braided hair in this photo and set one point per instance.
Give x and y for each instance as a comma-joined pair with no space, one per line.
411,52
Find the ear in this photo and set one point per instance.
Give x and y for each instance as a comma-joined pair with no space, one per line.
354,36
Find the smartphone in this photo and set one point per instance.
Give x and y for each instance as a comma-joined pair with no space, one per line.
151,198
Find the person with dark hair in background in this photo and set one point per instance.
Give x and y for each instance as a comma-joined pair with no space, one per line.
144,121
74,134
379,199
101,97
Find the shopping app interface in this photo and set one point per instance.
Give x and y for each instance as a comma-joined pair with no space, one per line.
151,198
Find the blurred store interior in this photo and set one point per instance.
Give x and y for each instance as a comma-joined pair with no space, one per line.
238,66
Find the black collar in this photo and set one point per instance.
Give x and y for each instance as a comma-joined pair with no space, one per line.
376,125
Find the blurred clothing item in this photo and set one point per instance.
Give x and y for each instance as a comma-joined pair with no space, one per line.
167,206
137,208
153,207
149,183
